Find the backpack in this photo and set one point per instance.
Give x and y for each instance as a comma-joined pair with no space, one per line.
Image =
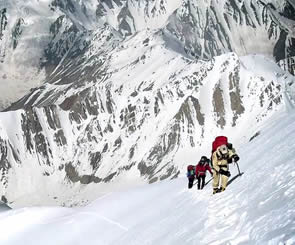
190,171
219,141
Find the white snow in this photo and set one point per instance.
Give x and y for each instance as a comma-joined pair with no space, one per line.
257,208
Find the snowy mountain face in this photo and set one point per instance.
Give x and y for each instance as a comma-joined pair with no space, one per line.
210,28
256,208
89,137
37,37
122,101
33,31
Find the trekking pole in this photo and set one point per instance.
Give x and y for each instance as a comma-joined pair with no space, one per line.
238,167
208,181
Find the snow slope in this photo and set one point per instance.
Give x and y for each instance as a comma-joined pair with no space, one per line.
257,208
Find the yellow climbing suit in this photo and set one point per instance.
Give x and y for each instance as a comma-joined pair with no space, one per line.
220,161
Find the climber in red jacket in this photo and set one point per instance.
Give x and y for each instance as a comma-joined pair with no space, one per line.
201,169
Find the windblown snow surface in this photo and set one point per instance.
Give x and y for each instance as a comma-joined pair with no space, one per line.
256,208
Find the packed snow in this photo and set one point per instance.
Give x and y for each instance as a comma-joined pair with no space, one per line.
256,208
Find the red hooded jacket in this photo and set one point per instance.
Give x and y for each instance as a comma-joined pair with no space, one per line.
201,169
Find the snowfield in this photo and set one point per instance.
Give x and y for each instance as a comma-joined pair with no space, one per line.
257,208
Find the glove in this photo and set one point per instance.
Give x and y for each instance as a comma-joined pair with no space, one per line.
236,158
229,146
224,172
221,171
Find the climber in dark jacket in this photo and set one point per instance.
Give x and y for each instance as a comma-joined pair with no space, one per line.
201,169
190,175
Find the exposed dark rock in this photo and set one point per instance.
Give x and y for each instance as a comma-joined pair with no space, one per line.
149,87
236,105
167,143
146,101
78,110
124,27
43,148
280,47
109,102
153,180
63,5
146,170
261,99
168,173
127,167
134,94
156,107
219,106
95,159
235,95
64,29
4,163
146,42
69,102
185,112
46,174
128,117
74,176
51,116
3,22
14,153
17,32
109,177
118,142
3,199
105,148
90,105
28,127
131,152
109,128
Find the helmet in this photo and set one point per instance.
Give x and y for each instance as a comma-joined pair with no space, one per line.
203,159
